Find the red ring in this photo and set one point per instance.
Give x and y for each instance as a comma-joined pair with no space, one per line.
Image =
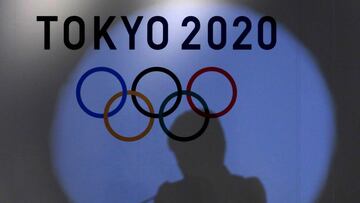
233,86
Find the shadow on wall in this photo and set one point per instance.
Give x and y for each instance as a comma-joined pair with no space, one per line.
206,178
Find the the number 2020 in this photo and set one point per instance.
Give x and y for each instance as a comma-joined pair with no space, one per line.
239,43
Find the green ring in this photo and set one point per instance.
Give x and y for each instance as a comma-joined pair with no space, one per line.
172,135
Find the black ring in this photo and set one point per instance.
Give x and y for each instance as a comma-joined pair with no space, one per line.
163,70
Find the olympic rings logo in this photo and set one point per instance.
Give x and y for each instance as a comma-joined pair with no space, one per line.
150,113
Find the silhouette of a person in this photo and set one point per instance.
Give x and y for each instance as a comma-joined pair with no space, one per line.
205,177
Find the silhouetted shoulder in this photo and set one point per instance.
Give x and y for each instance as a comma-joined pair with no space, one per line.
233,189
185,191
249,189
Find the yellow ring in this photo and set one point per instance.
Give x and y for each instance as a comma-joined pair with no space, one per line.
117,135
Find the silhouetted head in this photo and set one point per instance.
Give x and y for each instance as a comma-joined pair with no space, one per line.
202,155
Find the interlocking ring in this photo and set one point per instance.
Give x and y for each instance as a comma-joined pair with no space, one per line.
162,70
172,135
87,74
233,86
151,113
117,135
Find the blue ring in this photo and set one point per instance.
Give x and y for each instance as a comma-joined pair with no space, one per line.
87,74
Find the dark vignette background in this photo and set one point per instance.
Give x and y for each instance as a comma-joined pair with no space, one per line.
31,77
